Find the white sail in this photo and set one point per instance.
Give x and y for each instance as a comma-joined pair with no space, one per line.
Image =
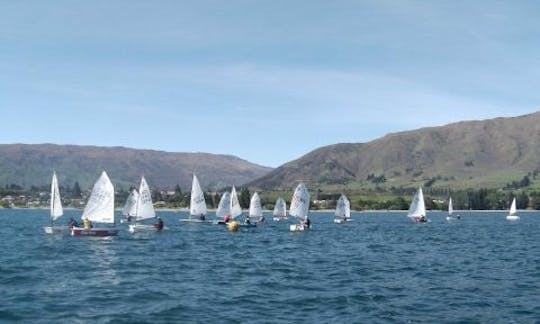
56,202
197,205
418,207
224,206
343,207
100,206
300,202
450,207
513,210
255,208
280,210
144,207
236,210
130,207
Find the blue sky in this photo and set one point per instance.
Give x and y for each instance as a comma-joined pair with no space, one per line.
267,81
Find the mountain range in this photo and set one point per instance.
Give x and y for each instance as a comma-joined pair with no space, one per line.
469,154
29,164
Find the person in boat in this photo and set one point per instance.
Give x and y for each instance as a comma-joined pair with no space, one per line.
306,222
261,220
248,221
422,219
201,217
87,224
129,217
227,218
344,218
72,223
159,224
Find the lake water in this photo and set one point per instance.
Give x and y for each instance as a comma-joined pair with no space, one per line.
380,268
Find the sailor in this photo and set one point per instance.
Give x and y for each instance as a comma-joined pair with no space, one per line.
227,218
159,224
87,224
248,221
422,219
261,220
306,222
201,217
72,223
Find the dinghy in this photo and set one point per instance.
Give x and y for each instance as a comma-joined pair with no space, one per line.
56,209
197,205
235,208
512,214
255,212
129,207
343,210
300,208
451,215
280,210
144,210
224,208
417,210
99,209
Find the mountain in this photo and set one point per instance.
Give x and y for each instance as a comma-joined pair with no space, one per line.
28,165
469,154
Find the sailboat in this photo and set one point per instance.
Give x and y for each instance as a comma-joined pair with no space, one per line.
280,210
197,205
417,210
451,211
224,208
56,210
300,208
512,214
343,210
255,211
130,206
99,209
144,209
235,209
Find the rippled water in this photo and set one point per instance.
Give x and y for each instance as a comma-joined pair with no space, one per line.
379,268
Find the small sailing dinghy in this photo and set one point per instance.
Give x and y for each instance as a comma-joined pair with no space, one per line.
99,209
224,209
280,210
235,210
130,206
343,210
512,214
144,210
255,212
451,215
56,209
197,205
300,208
417,210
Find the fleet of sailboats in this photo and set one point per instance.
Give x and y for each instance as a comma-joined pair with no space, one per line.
512,213
99,209
56,210
343,210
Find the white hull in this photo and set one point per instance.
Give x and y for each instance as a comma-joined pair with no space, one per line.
341,220
248,225
277,219
57,229
512,217
297,228
135,228
452,218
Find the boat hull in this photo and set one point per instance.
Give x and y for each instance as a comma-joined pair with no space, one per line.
277,219
297,228
512,217
77,231
195,221
135,228
248,225
341,221
57,229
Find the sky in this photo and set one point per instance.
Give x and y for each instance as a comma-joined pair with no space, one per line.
267,81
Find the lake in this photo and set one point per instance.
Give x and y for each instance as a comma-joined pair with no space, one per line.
380,268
